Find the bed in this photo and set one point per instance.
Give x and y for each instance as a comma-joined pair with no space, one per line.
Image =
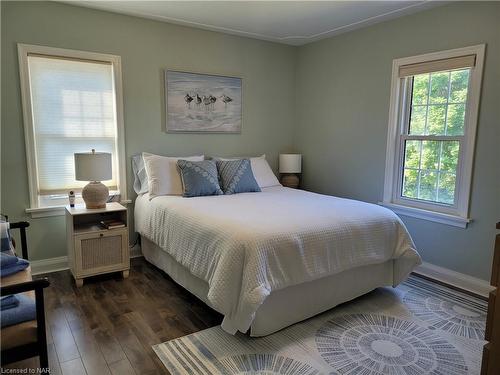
270,259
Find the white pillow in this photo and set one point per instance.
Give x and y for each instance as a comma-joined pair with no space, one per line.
262,172
163,176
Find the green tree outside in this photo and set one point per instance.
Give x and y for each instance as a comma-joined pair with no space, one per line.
438,105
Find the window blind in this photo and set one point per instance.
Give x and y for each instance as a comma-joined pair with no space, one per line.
73,109
453,63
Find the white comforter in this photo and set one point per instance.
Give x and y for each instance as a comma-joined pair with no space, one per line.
247,245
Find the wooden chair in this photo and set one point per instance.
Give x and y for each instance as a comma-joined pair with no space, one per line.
26,339
491,351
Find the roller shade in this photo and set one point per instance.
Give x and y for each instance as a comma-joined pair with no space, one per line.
454,63
73,107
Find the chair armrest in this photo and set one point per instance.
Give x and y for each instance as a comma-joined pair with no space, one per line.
38,286
19,224
22,225
35,285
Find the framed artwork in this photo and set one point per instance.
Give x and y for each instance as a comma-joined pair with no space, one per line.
202,103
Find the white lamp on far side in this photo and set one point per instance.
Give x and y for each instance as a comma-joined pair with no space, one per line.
94,167
290,165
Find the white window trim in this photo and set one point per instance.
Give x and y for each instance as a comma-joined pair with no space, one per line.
29,135
457,215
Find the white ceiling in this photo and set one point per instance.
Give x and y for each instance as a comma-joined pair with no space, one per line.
290,22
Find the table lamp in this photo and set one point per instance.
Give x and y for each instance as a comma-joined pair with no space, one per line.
290,165
94,167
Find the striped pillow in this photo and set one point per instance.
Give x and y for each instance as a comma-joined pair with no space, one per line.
199,178
236,176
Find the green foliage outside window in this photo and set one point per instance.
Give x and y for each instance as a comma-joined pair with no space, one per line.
438,103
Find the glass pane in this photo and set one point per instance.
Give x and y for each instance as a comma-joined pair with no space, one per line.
436,120
420,89
412,154
430,168
417,120
446,190
439,87
455,119
449,156
459,84
410,183
438,103
438,106
428,182
430,154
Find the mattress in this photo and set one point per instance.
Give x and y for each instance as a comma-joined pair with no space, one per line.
246,246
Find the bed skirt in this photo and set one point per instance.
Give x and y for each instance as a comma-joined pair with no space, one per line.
289,305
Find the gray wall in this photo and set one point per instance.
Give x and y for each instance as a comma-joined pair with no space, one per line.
328,100
146,48
343,89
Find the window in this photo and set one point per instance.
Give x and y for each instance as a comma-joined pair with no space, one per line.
72,103
432,127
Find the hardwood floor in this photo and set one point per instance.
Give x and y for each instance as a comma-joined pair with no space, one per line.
108,326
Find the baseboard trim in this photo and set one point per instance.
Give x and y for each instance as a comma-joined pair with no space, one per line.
135,251
49,265
61,263
455,279
444,275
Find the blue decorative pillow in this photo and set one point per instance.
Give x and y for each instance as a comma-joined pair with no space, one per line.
199,178
236,176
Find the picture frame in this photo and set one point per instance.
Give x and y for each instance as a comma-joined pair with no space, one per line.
203,103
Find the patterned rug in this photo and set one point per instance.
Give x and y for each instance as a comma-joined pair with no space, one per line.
417,328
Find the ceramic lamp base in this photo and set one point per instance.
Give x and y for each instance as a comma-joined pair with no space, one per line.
95,194
290,180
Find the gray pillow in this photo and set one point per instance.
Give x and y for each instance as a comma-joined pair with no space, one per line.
236,176
140,176
199,178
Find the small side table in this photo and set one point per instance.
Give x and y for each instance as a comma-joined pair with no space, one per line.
290,180
92,249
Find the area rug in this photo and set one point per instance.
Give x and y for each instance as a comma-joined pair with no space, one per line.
417,328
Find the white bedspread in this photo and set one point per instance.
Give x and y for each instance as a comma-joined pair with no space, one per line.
247,245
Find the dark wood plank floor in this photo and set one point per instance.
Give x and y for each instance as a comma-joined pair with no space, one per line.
108,326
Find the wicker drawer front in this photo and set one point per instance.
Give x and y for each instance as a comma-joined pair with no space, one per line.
101,251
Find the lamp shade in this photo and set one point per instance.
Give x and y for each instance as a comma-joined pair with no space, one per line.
290,163
93,166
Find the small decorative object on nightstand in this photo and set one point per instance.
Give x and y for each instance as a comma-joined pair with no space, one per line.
94,167
97,241
290,165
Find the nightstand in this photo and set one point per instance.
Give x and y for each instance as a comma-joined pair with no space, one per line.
93,249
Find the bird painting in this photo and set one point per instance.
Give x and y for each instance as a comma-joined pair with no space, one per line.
188,99
213,99
226,99
202,102
207,102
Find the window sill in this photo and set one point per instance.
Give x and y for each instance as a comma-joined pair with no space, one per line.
437,217
39,212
